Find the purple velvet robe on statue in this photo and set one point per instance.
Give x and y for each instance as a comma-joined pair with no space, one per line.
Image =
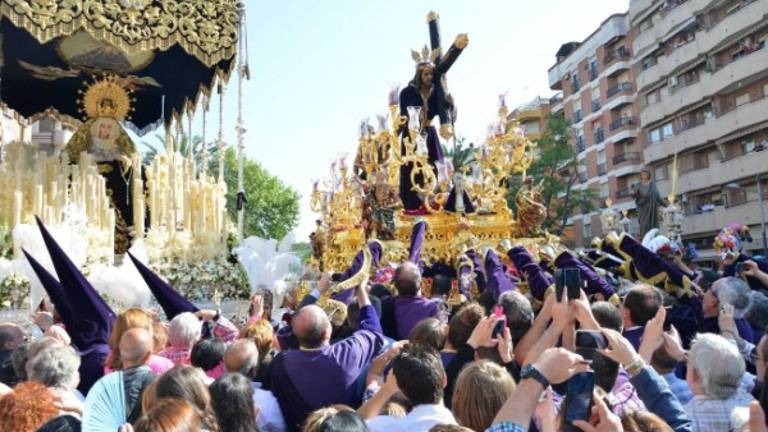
303,381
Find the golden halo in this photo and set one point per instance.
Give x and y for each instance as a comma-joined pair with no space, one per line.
107,98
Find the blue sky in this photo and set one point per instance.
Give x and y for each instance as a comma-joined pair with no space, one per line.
319,67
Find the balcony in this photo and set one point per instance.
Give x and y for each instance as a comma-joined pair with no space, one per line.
622,122
625,88
593,73
611,56
747,212
602,169
706,40
596,105
583,177
622,194
577,117
634,157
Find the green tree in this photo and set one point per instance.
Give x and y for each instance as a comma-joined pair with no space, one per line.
272,210
184,147
556,170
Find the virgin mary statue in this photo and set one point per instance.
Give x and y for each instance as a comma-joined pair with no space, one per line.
106,103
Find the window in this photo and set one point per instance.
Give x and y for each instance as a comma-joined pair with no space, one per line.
592,67
577,117
655,135
742,99
667,130
646,24
652,97
602,168
580,145
604,191
575,85
587,230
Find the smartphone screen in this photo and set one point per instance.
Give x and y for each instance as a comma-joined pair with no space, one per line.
573,283
559,284
498,329
578,399
589,341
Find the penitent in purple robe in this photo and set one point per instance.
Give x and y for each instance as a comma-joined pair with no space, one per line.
538,280
303,380
91,319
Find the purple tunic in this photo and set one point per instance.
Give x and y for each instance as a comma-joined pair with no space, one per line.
303,381
411,310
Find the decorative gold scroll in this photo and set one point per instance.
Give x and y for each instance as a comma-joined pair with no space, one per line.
206,29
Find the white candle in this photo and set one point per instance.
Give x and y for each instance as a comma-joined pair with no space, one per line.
18,207
39,200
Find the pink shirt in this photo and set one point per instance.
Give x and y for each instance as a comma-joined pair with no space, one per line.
157,364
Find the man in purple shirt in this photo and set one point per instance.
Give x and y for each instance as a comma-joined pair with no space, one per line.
319,374
401,313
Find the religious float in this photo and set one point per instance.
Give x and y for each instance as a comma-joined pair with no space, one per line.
101,67
402,174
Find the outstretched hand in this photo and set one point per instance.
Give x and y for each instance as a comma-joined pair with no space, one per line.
482,335
606,420
619,349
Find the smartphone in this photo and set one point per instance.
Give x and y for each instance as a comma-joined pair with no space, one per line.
739,268
498,329
578,400
572,278
668,320
559,284
589,341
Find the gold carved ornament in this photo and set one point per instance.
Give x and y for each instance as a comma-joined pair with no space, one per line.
206,29
358,278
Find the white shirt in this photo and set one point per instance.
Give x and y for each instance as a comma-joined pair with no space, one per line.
270,417
421,419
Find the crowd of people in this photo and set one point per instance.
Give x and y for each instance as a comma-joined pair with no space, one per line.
399,359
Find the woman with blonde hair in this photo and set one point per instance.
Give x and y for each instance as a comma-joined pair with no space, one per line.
481,390
129,319
335,418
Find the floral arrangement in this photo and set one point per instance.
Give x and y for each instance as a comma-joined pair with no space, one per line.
205,280
14,292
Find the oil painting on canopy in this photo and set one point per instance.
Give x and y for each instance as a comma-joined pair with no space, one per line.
167,52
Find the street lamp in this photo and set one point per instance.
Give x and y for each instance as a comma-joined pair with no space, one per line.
762,209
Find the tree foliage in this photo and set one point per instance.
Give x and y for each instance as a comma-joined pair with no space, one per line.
555,169
272,210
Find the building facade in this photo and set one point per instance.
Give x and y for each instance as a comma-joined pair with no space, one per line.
47,134
598,94
701,70
532,117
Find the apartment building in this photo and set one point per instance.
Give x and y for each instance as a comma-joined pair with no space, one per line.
47,133
701,70
597,84
532,116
